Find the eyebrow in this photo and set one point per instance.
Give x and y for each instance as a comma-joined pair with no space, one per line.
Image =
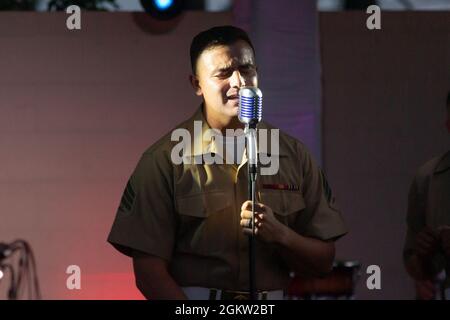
228,68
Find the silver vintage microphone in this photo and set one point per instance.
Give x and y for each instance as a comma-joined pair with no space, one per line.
250,113
250,106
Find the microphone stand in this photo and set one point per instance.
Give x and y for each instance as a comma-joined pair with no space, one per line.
250,111
252,174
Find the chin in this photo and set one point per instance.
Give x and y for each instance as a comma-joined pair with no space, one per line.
234,111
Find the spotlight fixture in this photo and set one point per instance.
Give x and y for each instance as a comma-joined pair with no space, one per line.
163,9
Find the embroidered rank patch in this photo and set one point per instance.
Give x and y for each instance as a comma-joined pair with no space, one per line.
126,203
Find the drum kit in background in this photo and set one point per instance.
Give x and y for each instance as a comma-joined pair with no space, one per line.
337,285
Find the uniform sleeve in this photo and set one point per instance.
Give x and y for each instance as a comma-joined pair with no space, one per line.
416,219
321,218
145,220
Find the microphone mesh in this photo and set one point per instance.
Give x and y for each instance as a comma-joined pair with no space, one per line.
250,105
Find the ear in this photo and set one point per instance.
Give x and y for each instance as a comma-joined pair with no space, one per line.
195,84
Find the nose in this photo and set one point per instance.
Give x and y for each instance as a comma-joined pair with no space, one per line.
237,80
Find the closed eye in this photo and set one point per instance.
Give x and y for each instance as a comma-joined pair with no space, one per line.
244,69
224,73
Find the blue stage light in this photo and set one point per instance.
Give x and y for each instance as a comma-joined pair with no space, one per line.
163,9
163,4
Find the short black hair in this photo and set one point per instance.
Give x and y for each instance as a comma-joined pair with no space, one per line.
216,36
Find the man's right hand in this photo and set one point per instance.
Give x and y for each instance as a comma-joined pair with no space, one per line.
427,243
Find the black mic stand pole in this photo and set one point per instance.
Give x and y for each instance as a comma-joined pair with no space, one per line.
252,174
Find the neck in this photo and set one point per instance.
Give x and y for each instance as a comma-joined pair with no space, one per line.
221,122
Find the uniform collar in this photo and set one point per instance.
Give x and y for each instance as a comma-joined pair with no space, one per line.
197,128
269,150
202,146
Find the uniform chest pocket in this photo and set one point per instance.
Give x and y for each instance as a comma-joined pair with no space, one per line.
286,205
204,220
204,204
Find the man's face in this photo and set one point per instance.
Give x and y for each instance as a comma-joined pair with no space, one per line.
221,71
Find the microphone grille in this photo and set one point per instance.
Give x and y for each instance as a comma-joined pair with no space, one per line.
250,105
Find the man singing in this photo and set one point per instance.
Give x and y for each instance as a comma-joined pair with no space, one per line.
185,225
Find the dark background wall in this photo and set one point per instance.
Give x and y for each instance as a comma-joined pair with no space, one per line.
78,108
384,113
